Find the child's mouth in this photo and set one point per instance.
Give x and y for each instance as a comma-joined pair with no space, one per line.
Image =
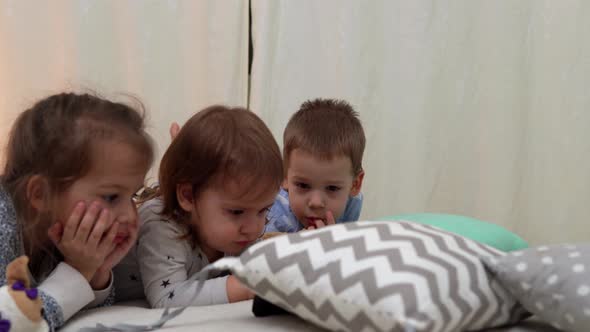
243,243
120,238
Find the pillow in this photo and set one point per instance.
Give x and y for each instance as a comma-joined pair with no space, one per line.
383,276
552,282
477,230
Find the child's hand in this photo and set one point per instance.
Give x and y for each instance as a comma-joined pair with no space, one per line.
236,291
320,223
121,249
86,239
101,278
174,129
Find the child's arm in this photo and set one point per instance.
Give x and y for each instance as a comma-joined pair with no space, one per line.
103,297
166,262
83,279
10,249
64,293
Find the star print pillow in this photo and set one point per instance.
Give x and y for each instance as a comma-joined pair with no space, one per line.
553,282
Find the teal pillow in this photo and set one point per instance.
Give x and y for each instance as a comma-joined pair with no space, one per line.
477,230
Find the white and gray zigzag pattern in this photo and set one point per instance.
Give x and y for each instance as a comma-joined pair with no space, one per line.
383,273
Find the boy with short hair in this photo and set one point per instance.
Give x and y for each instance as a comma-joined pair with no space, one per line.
324,142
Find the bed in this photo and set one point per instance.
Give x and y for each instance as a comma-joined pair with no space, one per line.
226,317
384,276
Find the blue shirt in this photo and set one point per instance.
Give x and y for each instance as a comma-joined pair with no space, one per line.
281,217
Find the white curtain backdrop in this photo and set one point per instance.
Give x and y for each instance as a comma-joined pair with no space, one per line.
479,108
176,56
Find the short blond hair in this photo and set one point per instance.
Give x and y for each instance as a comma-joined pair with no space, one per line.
326,128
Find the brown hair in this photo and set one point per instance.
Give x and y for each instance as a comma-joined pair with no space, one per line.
326,128
219,144
55,139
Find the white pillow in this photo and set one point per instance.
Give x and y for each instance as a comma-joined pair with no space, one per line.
378,276
371,276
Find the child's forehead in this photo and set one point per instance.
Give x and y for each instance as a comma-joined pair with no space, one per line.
318,156
112,154
247,190
116,163
307,162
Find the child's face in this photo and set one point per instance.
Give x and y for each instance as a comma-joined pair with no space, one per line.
316,186
227,222
117,174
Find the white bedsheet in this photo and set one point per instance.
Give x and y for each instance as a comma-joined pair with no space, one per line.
221,318
218,318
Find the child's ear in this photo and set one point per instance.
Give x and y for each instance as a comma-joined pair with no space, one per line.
357,184
284,184
185,197
36,188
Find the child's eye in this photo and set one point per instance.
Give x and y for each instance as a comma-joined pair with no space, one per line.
333,188
302,185
110,198
235,212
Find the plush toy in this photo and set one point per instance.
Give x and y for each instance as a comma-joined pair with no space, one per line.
20,305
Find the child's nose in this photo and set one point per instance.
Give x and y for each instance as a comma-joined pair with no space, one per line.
316,200
127,214
253,226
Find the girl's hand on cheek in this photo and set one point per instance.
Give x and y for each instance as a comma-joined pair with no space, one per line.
120,250
85,239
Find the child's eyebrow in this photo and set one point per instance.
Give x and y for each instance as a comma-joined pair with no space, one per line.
117,186
300,178
240,206
327,182
335,182
112,186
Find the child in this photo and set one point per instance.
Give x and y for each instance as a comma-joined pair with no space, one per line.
74,163
323,150
218,179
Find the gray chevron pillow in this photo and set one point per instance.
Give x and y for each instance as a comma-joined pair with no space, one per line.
378,276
